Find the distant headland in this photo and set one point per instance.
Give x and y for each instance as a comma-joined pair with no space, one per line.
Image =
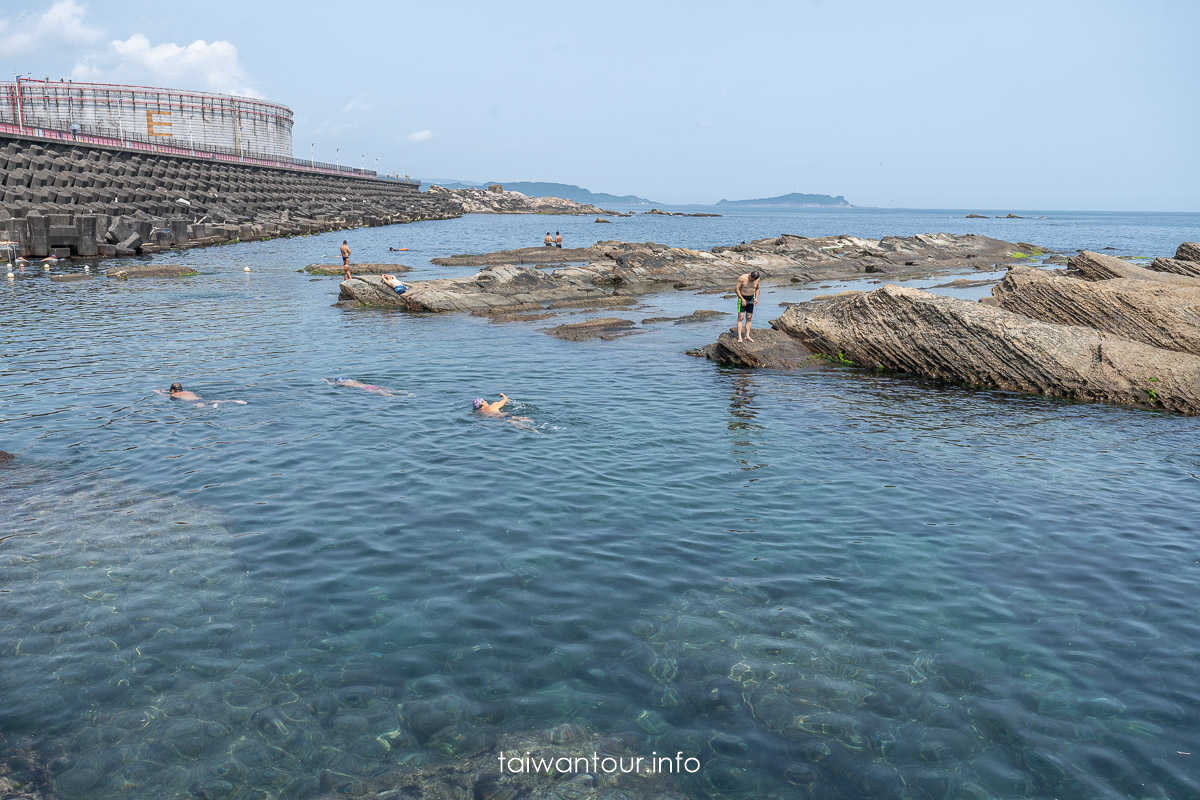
793,199
565,191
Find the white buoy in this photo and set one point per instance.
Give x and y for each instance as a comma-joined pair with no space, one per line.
86,268
46,267
10,275
245,269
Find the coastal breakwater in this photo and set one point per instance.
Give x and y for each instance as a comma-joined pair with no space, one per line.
71,199
1104,330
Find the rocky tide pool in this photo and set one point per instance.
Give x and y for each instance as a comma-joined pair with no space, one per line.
828,584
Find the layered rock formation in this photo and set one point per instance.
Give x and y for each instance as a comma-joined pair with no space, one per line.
1159,314
489,201
1104,331
623,268
70,199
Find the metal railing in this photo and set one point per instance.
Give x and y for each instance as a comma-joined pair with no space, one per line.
145,144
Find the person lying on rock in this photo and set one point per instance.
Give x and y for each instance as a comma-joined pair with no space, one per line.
746,289
391,282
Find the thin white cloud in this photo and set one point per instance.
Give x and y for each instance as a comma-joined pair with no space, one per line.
328,128
61,24
360,104
419,136
213,67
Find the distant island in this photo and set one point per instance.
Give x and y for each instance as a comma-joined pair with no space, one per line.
793,199
564,190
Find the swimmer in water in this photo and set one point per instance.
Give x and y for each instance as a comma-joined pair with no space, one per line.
177,392
366,387
482,406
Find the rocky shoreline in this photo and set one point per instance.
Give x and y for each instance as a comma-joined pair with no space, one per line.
497,201
1103,331
614,269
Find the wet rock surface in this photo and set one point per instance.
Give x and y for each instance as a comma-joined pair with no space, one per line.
4,457
771,349
623,268
1159,314
595,763
700,315
943,338
364,269
150,271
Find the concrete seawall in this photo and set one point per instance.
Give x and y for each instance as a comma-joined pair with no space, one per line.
70,199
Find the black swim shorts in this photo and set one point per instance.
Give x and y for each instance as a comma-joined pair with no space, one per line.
745,306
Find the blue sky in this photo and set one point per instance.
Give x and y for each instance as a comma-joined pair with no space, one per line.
1011,105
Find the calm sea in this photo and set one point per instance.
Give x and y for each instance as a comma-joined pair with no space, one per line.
826,585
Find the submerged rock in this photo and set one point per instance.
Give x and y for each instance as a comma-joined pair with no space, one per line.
364,269
567,761
606,328
6,457
907,330
150,271
1158,314
700,315
71,278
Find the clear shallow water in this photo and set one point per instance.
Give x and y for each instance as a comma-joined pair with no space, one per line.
825,585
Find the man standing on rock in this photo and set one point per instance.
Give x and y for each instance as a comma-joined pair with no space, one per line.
346,258
549,240
747,290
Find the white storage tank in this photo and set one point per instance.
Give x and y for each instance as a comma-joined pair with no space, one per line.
194,120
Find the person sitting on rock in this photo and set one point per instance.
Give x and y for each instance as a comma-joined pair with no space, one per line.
391,282
549,240
557,239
